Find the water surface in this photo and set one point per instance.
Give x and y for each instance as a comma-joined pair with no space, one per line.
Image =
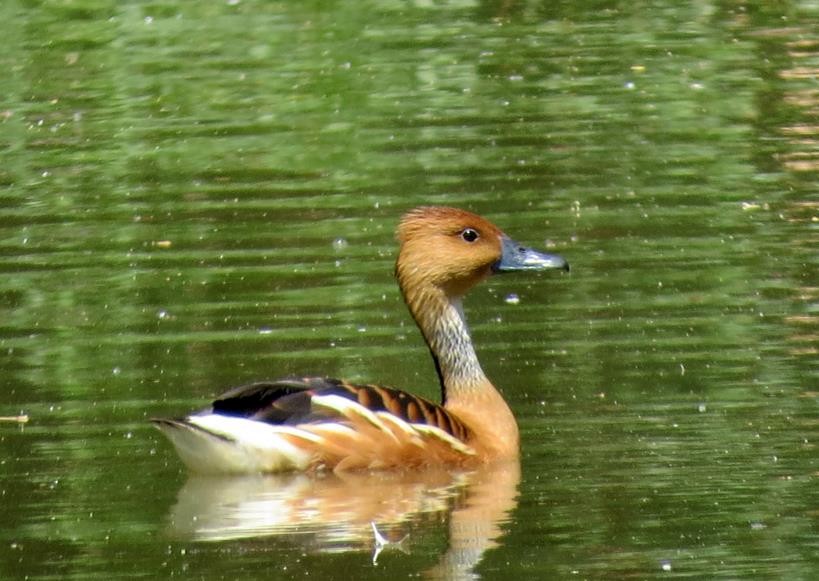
197,196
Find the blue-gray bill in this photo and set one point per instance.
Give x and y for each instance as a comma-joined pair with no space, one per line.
515,257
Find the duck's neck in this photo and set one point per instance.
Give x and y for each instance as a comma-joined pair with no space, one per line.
442,322
447,334
465,389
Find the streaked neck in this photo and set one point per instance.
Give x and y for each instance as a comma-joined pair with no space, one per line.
442,322
465,390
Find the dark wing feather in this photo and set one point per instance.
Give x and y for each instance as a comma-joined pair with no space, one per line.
288,401
284,401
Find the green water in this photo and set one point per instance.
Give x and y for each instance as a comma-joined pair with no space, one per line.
197,195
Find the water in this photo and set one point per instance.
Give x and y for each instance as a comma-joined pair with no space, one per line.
197,196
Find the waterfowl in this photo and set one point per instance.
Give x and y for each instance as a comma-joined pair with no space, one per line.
312,423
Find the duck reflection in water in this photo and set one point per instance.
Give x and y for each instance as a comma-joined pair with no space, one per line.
335,512
335,428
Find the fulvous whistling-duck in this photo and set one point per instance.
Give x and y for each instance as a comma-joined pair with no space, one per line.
318,423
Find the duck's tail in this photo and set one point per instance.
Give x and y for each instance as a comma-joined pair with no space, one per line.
219,444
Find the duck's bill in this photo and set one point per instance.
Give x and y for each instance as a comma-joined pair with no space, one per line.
515,257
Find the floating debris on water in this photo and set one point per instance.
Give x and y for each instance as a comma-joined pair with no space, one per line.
21,419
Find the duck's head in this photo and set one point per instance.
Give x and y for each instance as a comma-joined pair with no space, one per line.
453,250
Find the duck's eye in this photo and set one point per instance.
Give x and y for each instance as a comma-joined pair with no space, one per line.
469,235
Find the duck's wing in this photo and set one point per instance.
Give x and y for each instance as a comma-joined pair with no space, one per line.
304,423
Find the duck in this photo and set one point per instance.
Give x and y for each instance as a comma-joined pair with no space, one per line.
317,424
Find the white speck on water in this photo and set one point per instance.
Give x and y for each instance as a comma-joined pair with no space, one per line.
339,244
758,526
149,20
162,315
629,85
265,331
512,299
665,565
116,371
701,408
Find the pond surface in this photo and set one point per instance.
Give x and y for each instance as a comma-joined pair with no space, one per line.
196,196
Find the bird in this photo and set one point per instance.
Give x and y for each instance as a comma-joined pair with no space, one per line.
318,424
